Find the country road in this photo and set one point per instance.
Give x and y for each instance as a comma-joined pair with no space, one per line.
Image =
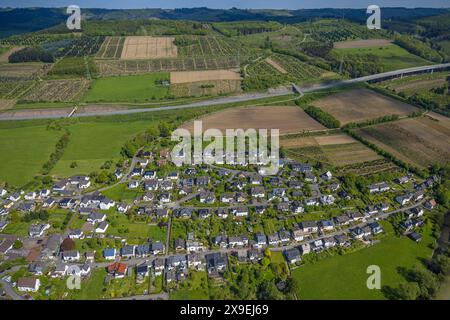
110,110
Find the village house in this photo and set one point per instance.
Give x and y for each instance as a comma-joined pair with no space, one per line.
258,192
207,197
101,227
305,248
240,211
109,253
28,284
117,270
309,226
70,256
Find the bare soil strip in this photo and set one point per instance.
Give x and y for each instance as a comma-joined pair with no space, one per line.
351,44
206,75
276,66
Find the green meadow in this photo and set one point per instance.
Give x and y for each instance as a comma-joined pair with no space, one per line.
344,276
392,57
128,88
23,152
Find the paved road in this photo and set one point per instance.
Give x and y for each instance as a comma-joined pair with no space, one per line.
54,114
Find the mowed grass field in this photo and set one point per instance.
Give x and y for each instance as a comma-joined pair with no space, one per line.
23,152
128,88
392,57
91,144
359,105
420,141
344,276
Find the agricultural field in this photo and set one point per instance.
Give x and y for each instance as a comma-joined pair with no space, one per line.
58,90
200,76
111,48
359,105
76,47
344,277
391,57
287,119
127,67
5,52
148,48
21,71
419,141
128,88
281,70
356,44
73,67
194,46
336,149
14,89
429,90
205,88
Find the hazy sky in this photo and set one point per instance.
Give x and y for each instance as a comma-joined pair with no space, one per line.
256,4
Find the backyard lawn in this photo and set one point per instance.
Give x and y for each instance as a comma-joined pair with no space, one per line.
344,277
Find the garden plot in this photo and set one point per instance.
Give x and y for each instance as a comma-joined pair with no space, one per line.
287,119
144,47
58,90
198,76
361,105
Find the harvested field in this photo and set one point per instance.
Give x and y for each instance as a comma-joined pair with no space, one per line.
338,150
58,90
287,119
207,88
129,67
411,87
361,105
198,76
350,44
4,56
276,66
144,47
420,141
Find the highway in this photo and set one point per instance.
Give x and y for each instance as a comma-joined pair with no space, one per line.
56,113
